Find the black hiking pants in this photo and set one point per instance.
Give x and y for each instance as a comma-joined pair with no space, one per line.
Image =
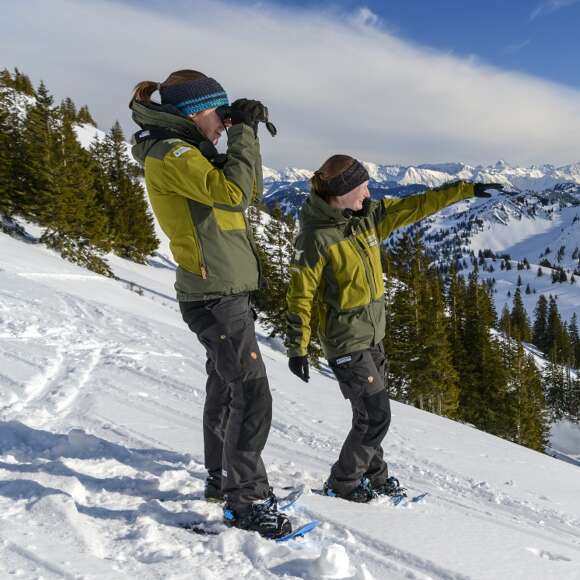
238,406
360,376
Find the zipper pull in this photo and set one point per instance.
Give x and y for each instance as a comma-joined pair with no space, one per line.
203,272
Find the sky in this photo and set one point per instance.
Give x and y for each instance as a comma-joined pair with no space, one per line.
389,82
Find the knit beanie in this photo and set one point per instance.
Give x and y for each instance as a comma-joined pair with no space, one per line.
194,96
344,182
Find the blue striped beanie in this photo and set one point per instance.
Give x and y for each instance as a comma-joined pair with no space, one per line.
194,96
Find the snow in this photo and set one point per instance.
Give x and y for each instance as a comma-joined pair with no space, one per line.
101,399
532,178
87,133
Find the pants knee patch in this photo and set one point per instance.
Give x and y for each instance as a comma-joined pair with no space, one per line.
378,409
257,415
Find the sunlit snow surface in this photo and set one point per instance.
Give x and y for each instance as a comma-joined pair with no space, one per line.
101,397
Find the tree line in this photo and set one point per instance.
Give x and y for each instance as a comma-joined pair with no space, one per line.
88,202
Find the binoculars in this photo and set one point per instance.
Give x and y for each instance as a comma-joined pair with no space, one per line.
225,112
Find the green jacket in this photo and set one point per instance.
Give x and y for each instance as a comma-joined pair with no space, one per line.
337,263
199,201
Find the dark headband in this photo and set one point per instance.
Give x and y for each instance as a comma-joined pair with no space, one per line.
346,181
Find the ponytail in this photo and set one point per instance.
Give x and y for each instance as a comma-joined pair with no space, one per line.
143,91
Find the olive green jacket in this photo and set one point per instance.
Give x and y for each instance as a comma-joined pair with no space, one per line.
199,205
337,264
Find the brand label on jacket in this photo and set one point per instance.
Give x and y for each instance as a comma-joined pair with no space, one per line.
179,152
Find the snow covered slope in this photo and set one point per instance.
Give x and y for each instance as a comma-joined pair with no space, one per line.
101,397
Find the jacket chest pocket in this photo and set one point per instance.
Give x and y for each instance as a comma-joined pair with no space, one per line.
349,271
229,220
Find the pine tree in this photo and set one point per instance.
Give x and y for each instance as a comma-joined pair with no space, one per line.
8,143
130,222
483,398
279,245
540,337
76,226
505,322
419,359
520,323
574,341
433,378
36,163
526,400
84,116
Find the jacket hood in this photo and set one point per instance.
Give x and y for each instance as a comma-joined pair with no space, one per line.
316,213
166,117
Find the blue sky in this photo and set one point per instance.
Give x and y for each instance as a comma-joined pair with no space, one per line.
395,82
539,37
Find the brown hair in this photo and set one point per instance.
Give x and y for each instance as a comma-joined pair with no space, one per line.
332,167
143,90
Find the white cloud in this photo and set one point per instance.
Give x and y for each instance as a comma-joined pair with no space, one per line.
549,6
330,84
365,17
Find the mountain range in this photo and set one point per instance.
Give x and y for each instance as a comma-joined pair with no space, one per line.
289,187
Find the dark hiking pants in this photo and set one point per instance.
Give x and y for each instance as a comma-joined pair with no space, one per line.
238,406
361,379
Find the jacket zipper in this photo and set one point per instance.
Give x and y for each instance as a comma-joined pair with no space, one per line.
362,253
202,261
250,235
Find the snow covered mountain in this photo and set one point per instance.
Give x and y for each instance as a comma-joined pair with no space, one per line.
290,187
101,398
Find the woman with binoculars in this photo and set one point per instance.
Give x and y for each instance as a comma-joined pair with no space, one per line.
199,197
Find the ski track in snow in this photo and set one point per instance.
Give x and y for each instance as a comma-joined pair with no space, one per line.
101,465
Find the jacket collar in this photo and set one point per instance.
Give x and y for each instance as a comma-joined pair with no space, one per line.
148,115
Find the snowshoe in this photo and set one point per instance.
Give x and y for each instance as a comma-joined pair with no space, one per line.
362,493
213,489
391,487
262,517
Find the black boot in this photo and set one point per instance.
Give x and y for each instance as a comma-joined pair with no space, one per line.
391,487
213,489
362,493
262,517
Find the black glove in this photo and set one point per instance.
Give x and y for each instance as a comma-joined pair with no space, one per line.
249,112
299,366
479,189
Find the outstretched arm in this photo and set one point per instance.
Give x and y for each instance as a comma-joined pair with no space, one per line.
392,213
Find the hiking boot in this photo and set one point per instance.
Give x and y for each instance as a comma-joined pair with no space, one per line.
391,487
213,489
362,493
262,517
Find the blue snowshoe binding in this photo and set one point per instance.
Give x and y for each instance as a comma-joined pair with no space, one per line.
262,517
